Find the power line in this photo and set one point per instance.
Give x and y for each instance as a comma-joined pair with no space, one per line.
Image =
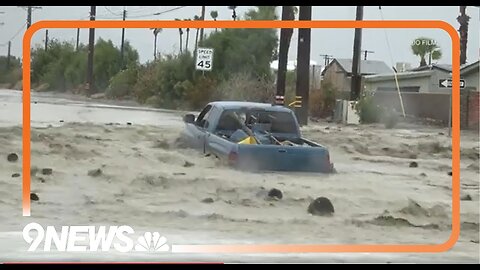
29,13
144,15
16,34
111,12
392,62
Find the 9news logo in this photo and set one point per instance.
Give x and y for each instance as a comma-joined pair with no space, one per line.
86,238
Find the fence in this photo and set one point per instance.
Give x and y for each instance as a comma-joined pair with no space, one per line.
434,106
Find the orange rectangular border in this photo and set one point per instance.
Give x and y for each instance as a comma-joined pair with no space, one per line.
296,248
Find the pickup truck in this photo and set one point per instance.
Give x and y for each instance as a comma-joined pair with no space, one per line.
255,137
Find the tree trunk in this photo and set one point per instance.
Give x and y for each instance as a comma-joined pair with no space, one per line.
422,61
203,19
155,47
181,44
196,40
186,42
463,20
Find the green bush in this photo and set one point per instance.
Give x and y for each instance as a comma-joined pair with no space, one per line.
63,68
200,92
322,101
244,87
367,110
107,61
146,85
122,83
12,74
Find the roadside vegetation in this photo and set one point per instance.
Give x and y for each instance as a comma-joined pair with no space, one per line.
241,68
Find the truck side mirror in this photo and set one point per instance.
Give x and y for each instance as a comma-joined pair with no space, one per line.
189,118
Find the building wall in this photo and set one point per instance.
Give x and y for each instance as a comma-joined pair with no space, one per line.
423,82
472,80
315,77
427,84
434,106
422,105
335,74
473,109
434,81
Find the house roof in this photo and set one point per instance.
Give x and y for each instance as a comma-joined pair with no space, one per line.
443,67
367,67
401,75
466,69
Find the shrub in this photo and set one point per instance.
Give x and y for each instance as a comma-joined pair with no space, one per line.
322,101
9,76
244,87
146,85
122,83
200,92
367,110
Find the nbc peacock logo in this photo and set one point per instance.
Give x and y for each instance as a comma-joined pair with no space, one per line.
152,242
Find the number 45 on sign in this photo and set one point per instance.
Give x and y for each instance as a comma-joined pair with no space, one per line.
204,59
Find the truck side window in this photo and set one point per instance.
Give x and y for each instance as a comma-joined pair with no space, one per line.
203,116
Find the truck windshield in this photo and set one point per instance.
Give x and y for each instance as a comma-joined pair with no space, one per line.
261,120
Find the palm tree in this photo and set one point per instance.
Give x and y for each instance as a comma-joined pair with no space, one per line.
214,15
424,47
180,31
196,18
463,20
202,17
155,33
188,35
234,13
262,13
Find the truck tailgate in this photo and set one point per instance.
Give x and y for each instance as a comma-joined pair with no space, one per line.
283,158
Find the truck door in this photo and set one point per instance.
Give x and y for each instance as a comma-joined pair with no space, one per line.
196,131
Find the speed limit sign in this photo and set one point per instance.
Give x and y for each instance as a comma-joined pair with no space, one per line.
204,59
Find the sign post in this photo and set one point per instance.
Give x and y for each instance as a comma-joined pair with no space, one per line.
204,61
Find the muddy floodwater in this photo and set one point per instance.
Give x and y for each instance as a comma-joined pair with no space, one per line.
117,165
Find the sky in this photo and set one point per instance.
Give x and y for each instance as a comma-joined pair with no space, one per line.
388,45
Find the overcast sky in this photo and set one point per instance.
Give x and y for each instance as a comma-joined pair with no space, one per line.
338,43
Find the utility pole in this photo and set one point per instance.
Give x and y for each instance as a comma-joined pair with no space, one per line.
91,47
285,35
78,38
365,53
155,33
326,58
46,39
303,67
123,39
357,47
8,54
29,14
202,18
